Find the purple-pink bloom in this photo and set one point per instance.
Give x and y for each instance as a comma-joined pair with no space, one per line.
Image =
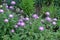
26,18
48,19
54,23
21,23
41,28
18,23
16,26
13,2
11,16
11,7
1,10
6,20
6,6
54,19
12,30
35,16
47,13
20,20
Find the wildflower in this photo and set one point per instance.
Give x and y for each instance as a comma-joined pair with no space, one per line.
6,20
48,19
21,23
16,26
10,16
6,6
41,28
54,23
13,2
26,18
54,19
11,7
12,31
47,13
20,20
1,10
35,16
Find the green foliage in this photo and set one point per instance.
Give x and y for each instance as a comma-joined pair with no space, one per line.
31,31
43,2
6,37
15,37
5,28
27,6
0,1
52,9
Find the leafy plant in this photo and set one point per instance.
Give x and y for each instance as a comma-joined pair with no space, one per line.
27,6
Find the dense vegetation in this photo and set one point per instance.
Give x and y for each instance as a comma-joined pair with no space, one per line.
29,19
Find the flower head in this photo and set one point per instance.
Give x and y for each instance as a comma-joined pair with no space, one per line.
6,6
12,31
47,13
20,20
16,26
6,20
26,18
48,19
41,28
54,23
1,10
35,16
21,23
11,7
10,16
13,2
54,19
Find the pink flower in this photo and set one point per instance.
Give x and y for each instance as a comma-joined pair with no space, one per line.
54,23
20,20
54,19
11,16
35,16
13,2
16,26
6,20
6,6
26,18
47,13
48,19
12,31
11,7
21,23
1,10
41,28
